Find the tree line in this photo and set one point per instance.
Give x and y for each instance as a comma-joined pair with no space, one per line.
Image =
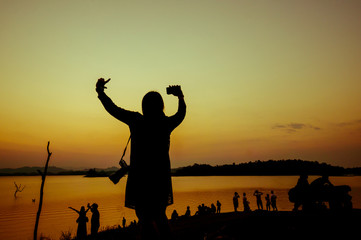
268,168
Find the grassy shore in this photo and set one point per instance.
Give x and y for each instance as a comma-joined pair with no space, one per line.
258,225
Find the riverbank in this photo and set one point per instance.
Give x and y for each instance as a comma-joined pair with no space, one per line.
258,225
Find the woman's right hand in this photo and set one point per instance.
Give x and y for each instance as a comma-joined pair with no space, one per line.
175,90
101,84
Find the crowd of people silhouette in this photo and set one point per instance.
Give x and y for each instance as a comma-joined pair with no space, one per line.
271,201
202,209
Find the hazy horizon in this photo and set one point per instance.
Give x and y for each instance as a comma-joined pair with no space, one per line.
262,79
191,164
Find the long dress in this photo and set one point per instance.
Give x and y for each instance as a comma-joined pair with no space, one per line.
82,220
149,179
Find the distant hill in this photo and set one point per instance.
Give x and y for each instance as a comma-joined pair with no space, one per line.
256,168
30,170
52,170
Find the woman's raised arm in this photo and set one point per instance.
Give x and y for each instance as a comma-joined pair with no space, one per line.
117,112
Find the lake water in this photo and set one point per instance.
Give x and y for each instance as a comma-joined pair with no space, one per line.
17,215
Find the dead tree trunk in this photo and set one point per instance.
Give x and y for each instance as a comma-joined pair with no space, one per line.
43,175
18,189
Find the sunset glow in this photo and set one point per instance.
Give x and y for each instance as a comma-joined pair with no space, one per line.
262,79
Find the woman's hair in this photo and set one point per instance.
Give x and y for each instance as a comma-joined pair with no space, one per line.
152,104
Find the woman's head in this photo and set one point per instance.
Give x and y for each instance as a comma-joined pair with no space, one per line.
152,104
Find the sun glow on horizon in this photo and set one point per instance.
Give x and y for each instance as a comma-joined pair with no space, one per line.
266,80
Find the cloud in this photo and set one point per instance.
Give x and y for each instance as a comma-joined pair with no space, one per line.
350,123
293,127
297,125
279,126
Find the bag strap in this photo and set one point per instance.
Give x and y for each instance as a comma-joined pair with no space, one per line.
125,149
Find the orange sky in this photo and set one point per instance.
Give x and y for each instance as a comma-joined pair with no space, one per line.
262,79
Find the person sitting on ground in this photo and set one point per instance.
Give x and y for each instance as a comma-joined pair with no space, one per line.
174,215
321,182
188,212
199,211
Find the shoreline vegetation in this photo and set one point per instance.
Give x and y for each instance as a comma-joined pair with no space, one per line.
257,168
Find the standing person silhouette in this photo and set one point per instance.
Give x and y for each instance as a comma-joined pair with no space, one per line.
258,195
268,202
218,206
95,223
235,201
124,222
81,220
273,201
149,187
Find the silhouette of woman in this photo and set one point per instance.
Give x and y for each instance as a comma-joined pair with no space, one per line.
81,220
149,187
246,207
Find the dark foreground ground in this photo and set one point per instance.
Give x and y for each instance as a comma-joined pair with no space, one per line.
259,225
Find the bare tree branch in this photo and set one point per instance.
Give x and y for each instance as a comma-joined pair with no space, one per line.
18,189
43,175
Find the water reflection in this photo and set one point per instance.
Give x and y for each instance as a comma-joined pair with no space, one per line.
63,191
